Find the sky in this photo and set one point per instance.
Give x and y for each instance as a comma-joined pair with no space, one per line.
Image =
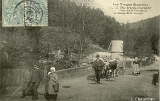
108,8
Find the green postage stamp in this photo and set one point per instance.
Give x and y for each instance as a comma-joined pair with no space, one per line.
17,13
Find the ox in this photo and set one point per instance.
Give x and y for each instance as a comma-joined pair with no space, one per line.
112,68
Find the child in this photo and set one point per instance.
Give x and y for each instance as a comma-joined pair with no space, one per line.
52,86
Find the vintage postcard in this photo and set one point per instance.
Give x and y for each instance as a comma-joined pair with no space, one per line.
79,50
24,13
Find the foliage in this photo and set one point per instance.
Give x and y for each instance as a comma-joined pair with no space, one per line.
144,40
72,27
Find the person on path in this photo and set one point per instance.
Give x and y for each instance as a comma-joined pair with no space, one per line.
136,65
26,84
52,86
98,65
36,77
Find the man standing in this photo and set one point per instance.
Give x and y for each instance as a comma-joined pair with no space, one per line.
98,67
25,85
35,81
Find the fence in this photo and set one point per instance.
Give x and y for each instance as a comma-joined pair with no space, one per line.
15,77
12,77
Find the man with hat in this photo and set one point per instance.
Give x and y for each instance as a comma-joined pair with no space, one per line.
98,67
36,77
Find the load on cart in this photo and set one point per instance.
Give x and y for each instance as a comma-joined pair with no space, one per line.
115,63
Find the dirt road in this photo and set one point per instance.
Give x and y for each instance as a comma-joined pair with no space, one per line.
123,88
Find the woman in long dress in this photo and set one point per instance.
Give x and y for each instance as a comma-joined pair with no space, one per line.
136,65
51,88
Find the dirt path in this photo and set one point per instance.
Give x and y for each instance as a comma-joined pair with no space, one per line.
123,88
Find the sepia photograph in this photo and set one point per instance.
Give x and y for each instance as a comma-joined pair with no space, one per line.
79,50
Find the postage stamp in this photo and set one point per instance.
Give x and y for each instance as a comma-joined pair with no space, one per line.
24,13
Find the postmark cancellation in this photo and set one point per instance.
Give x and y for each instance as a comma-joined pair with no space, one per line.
24,13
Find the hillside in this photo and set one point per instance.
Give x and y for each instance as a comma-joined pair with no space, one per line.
23,47
143,37
72,29
142,23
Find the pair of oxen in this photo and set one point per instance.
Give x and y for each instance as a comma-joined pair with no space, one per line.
112,68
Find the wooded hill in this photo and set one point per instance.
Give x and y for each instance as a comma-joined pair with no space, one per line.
143,37
142,23
72,28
